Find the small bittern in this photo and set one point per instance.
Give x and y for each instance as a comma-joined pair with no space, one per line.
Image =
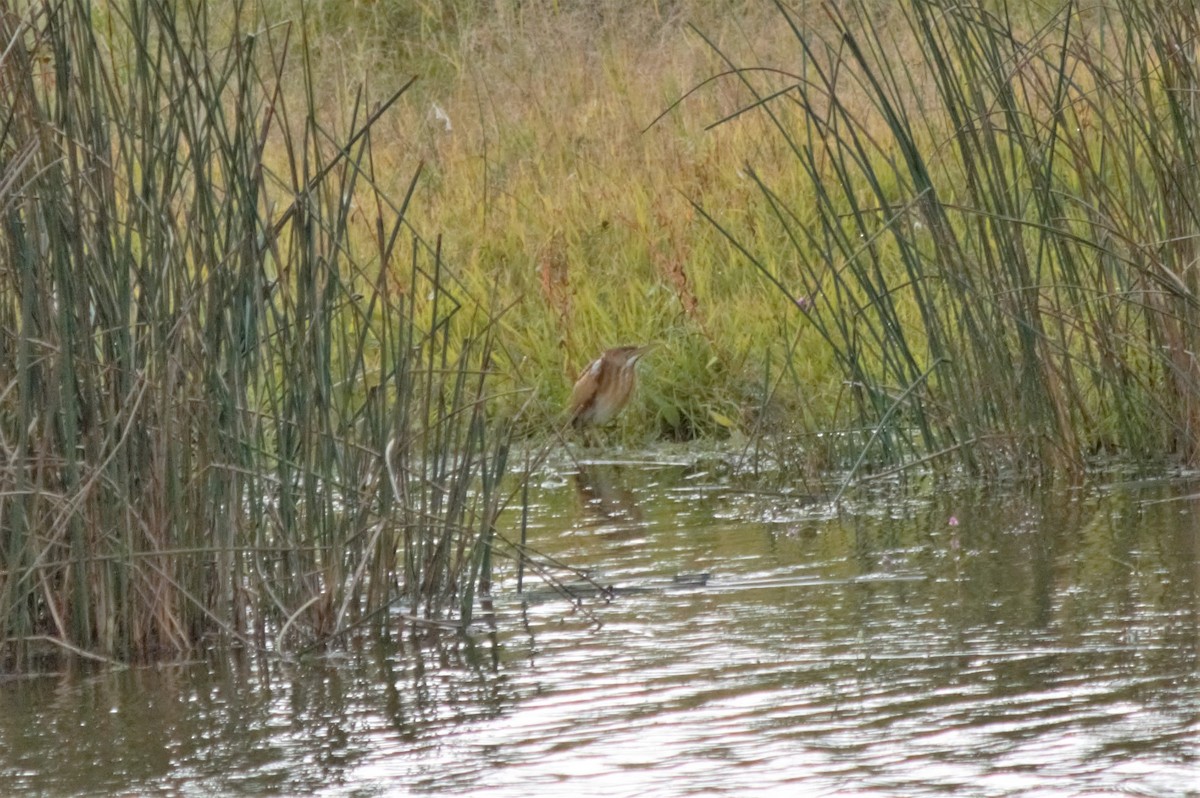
605,386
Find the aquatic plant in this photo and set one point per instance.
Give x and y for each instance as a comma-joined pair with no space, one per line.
998,235
971,231
212,318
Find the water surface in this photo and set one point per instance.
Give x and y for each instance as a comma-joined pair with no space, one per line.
920,641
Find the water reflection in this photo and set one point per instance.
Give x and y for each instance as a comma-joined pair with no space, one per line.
604,496
1042,644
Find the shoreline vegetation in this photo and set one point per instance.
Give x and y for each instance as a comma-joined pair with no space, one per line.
244,248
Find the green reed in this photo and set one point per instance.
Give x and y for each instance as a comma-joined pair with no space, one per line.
1002,227
212,320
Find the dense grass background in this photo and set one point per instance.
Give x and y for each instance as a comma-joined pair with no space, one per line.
963,229
959,235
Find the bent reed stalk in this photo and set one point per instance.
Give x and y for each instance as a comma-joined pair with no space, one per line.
1010,199
210,325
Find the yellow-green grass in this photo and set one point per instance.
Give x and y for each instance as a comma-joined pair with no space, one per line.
579,161
559,190
566,182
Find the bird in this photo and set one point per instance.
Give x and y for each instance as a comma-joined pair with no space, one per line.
604,387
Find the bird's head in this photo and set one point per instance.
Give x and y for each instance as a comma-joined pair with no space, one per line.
628,356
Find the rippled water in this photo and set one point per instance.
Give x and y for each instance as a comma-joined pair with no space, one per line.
933,642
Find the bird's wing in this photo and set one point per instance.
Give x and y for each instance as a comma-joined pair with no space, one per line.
585,388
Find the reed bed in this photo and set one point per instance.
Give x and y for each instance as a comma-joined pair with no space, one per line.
866,236
200,364
995,231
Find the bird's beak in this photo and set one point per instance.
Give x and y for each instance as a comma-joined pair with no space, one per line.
641,350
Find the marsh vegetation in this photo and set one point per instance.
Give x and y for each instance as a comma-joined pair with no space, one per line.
244,247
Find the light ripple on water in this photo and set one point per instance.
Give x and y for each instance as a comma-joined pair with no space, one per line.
1031,651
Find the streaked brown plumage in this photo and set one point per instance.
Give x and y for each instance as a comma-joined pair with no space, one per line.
605,386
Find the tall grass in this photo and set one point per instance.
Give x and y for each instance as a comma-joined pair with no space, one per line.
212,318
998,236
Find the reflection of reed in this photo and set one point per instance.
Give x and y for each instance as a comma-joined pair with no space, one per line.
605,498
